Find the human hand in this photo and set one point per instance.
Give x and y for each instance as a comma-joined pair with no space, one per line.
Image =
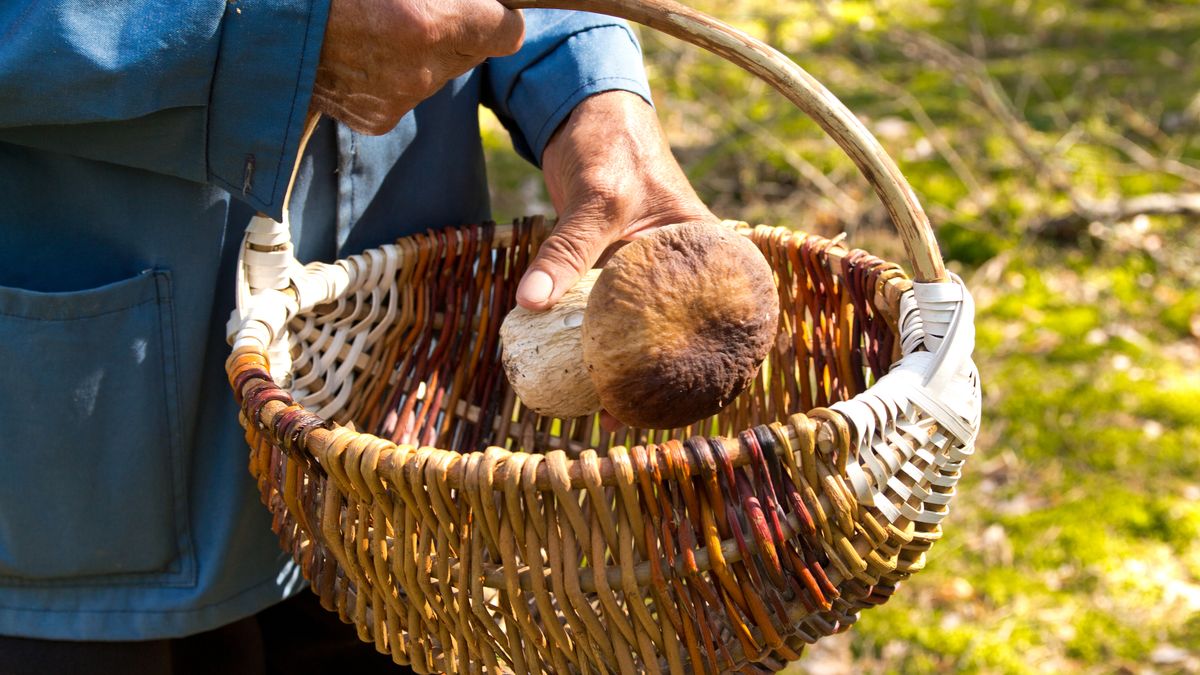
381,58
611,177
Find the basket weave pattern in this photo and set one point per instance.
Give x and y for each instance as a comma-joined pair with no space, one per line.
531,544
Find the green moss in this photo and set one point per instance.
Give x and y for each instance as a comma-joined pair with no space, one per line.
1100,637
1181,312
1188,632
1002,586
943,642
969,246
1175,402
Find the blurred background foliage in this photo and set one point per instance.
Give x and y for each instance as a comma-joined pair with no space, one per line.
1056,147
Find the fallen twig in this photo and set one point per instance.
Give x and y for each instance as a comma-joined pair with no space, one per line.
1069,226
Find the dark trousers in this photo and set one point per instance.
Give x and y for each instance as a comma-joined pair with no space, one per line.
294,637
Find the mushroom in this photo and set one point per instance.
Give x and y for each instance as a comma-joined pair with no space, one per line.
543,355
674,328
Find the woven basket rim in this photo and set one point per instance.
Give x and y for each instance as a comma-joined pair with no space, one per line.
313,436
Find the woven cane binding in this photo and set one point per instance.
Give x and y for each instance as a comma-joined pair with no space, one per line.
727,545
462,533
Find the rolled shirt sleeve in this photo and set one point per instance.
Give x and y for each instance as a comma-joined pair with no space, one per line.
207,90
567,57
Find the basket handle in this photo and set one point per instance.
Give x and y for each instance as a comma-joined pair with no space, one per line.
801,89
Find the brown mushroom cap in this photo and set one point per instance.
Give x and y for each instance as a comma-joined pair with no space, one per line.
678,324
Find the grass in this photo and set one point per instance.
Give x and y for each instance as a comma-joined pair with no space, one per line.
1074,545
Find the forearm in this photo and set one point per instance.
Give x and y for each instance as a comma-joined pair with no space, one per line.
611,176
567,57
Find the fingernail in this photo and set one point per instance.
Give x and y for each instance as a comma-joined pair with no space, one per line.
536,287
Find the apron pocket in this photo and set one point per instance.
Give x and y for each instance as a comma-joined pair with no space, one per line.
92,481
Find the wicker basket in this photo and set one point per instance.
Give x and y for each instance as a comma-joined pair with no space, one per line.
465,533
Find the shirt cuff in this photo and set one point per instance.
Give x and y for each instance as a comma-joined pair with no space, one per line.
595,60
260,94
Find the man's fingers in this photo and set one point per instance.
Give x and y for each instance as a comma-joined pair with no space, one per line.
481,29
490,29
561,260
510,34
381,58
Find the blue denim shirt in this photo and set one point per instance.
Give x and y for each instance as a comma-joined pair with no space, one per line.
136,139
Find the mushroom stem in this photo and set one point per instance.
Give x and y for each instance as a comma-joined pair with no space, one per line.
543,355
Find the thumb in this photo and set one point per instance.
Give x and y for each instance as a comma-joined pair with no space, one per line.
566,255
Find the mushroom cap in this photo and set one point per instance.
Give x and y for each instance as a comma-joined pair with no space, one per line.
678,324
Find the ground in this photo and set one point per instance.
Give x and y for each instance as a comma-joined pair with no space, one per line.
1028,129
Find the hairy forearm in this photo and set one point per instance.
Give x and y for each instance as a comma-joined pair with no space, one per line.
611,176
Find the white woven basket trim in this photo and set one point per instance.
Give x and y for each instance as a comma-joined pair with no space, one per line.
235,326
263,225
917,430
954,355
876,470
361,312
945,464
925,455
334,314
334,277
362,271
262,261
313,341
318,352
310,288
893,457
900,489
268,277
388,292
882,414
859,482
961,454
885,507
934,477
304,336
269,239
328,353
933,497
357,348
382,326
921,515
350,267
254,335
329,386
266,233
280,359
940,292
913,471
372,262
891,420
347,306
331,409
904,445
268,307
937,388
890,460
940,439
389,261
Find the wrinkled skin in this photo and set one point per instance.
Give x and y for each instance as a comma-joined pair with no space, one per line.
608,168
381,58
611,177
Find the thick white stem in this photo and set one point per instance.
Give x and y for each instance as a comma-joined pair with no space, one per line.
543,355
